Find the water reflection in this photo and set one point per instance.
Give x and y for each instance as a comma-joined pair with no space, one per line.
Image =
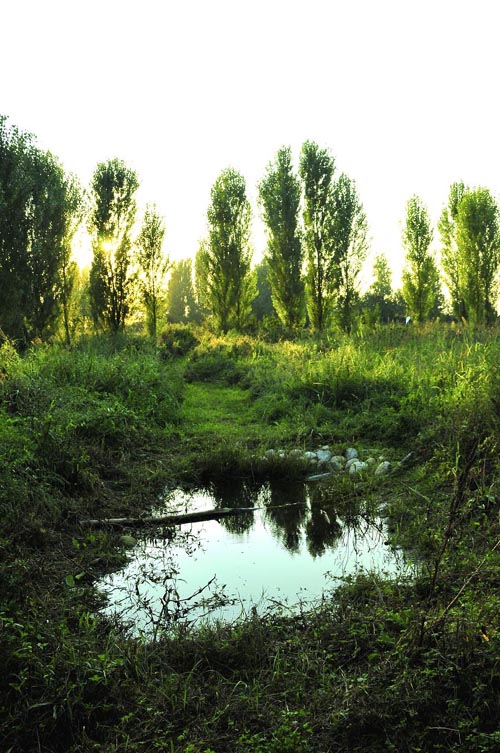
287,509
288,549
292,510
235,493
322,531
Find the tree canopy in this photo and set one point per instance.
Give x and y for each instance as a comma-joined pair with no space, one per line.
420,277
349,239
111,219
153,265
317,168
223,265
478,242
39,212
279,194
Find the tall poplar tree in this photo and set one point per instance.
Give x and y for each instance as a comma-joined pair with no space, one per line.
450,256
420,276
380,303
15,191
36,211
316,170
111,220
153,265
68,273
350,244
181,303
279,194
45,250
226,285
478,241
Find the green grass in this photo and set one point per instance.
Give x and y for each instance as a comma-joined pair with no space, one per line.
212,412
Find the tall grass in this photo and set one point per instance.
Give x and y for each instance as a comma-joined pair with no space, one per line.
68,419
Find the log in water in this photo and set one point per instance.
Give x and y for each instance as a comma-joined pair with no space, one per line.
177,520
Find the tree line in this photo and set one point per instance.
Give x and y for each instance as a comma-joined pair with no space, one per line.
317,243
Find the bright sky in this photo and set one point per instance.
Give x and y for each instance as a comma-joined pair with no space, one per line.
405,94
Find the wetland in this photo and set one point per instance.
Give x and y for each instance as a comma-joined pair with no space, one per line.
301,628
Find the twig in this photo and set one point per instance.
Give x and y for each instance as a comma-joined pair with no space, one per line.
464,586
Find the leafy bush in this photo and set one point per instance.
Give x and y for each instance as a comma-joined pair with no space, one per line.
177,340
217,364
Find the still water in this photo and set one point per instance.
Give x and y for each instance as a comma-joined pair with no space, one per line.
275,556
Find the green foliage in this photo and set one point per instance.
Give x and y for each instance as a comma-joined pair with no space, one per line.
450,258
262,305
40,209
279,194
478,240
181,303
317,168
215,363
111,219
349,235
420,277
335,237
470,257
380,304
75,302
69,274
84,411
223,265
153,265
177,340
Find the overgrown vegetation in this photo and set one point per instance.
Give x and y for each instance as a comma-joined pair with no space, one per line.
384,665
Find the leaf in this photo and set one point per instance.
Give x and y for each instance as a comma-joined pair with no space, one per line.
128,541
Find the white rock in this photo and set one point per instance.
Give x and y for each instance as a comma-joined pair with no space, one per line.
351,453
371,461
335,465
310,455
338,460
350,462
357,467
323,455
269,453
382,468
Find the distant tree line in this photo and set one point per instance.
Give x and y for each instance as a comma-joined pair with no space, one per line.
317,243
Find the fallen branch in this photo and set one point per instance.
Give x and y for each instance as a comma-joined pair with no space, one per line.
178,520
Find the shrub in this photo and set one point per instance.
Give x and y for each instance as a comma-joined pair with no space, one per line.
177,340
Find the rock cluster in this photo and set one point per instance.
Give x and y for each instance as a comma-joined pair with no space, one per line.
324,461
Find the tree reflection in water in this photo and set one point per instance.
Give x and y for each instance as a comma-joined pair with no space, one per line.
293,510
236,493
286,523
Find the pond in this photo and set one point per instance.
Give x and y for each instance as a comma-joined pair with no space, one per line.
293,547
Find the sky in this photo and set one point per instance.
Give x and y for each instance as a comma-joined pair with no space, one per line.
404,94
